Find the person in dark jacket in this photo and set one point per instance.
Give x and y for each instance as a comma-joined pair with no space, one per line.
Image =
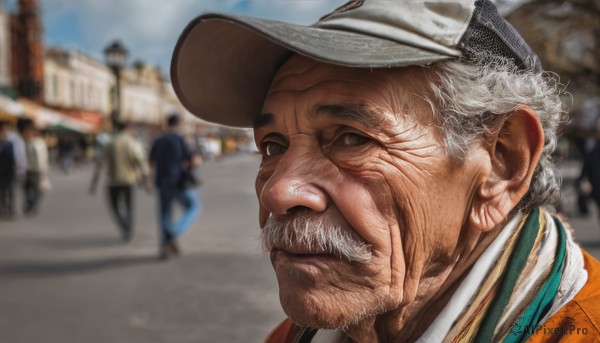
591,172
172,160
7,173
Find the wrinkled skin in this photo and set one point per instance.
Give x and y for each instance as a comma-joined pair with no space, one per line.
358,148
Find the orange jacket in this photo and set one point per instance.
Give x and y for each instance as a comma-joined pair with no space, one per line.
577,321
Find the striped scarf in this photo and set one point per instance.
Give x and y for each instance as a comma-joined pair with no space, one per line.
513,299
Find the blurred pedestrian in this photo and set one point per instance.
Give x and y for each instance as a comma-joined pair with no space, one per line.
8,168
589,179
100,142
66,152
172,161
125,166
20,155
36,179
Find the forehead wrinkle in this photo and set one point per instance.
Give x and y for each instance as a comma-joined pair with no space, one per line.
286,72
355,112
300,84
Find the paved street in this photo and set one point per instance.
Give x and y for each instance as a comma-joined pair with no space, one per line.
65,276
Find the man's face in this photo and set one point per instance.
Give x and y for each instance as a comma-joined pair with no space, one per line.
356,149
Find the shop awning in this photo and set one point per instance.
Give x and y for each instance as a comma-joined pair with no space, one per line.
49,119
94,119
10,109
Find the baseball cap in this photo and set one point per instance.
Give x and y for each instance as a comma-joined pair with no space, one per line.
223,65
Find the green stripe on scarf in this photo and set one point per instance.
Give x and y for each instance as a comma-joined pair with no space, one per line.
305,335
529,321
516,264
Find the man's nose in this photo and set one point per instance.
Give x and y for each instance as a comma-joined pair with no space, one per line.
296,184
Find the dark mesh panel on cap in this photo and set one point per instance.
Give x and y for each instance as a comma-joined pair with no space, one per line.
488,32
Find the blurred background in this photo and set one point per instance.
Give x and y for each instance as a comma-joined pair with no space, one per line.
76,68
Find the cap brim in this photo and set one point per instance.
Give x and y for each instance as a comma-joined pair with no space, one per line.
222,66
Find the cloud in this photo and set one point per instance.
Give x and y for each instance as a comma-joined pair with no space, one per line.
146,27
150,28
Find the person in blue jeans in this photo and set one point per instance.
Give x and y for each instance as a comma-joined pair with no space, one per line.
171,159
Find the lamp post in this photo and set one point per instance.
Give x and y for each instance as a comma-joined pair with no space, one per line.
116,58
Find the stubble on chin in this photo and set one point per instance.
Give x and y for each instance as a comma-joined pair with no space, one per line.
331,306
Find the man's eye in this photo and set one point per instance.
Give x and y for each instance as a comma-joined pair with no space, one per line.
273,148
351,139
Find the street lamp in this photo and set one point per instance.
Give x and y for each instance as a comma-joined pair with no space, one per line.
116,58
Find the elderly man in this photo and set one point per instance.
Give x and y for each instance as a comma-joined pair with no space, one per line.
406,171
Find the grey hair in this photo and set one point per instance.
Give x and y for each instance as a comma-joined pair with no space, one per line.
468,99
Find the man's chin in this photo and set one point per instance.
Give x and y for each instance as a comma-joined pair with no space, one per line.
336,309
315,291
316,314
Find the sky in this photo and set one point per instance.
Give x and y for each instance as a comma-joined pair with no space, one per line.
149,28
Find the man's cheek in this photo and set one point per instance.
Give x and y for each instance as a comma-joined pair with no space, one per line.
381,216
263,215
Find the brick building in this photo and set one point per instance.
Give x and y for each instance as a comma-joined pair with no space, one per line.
27,51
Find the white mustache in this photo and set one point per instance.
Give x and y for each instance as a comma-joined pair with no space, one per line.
316,235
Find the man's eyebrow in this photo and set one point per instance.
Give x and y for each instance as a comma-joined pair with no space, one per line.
263,120
358,113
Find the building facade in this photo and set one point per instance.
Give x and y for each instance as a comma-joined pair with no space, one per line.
76,81
27,60
141,100
5,48
171,104
75,85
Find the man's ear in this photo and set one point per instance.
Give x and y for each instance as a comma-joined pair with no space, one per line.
514,149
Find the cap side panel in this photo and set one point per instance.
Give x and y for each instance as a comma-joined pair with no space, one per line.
488,32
